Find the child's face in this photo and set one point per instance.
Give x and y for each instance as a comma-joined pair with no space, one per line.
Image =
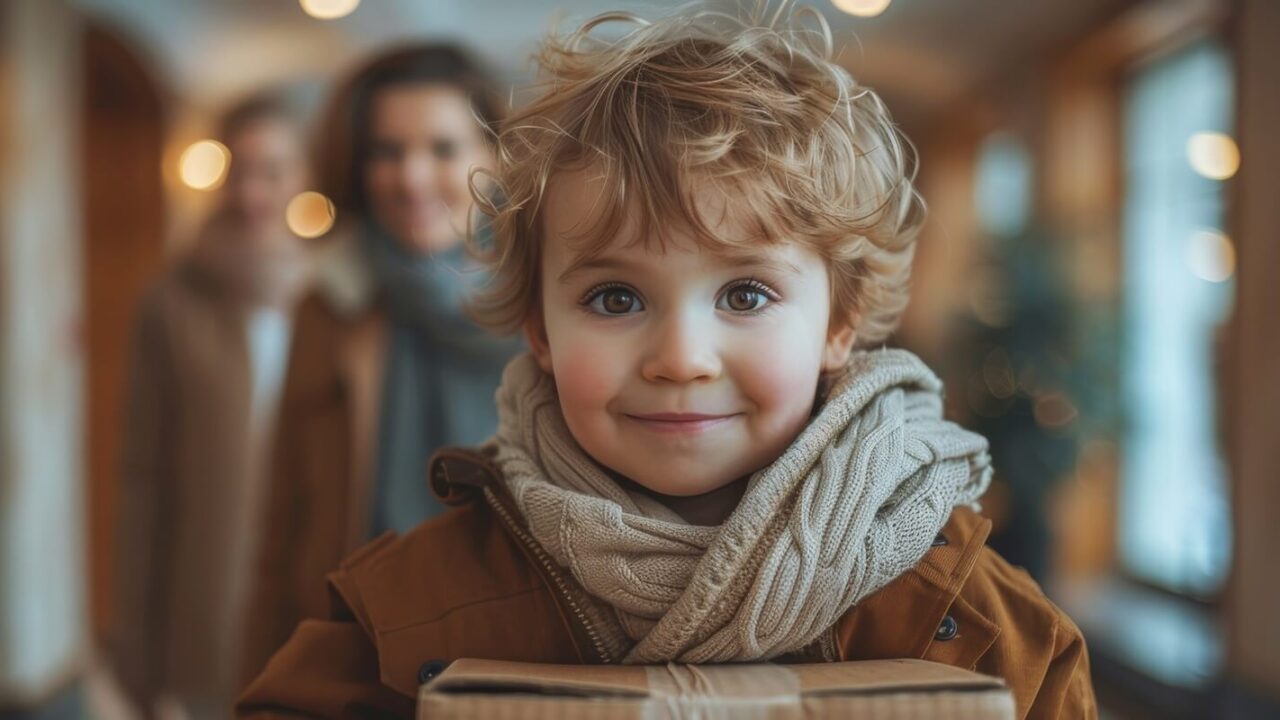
688,368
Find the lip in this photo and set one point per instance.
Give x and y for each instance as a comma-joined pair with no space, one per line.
681,423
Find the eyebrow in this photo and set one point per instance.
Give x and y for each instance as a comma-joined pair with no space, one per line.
760,260
589,262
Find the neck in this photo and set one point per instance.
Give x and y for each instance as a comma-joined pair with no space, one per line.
708,509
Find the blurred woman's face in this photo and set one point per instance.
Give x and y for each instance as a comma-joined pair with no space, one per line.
268,168
424,141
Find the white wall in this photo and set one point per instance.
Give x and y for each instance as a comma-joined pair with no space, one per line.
42,592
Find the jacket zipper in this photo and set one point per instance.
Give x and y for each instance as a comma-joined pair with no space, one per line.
550,568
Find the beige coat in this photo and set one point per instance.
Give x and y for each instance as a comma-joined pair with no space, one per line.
190,493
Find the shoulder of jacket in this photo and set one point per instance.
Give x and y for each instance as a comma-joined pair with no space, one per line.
1015,601
1039,651
460,558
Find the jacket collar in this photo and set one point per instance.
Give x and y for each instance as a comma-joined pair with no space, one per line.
344,278
948,563
460,475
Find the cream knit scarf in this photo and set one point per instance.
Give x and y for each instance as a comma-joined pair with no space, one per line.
855,501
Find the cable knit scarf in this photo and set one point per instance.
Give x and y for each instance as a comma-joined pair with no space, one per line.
855,501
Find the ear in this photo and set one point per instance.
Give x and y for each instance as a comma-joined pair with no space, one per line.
535,333
840,339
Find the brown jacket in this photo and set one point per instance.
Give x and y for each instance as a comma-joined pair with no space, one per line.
473,583
322,460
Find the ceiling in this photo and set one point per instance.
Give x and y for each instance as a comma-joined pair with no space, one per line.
920,54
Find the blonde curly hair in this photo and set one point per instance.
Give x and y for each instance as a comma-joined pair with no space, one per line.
755,108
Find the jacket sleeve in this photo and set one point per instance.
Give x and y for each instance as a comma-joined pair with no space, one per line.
144,519
1038,650
328,668
1067,688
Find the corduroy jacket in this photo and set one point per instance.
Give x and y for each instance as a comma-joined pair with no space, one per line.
474,583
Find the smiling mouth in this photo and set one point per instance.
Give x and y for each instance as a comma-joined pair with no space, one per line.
681,423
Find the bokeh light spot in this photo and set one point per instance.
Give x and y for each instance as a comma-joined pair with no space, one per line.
1213,155
310,214
203,165
329,9
1211,256
862,8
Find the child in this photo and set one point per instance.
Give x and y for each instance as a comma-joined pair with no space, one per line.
700,222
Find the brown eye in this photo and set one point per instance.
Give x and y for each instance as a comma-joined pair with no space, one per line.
444,150
383,151
614,301
618,301
744,298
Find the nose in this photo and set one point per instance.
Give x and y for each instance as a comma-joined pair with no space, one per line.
418,173
681,350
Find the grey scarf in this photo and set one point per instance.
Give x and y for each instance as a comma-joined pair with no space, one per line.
441,374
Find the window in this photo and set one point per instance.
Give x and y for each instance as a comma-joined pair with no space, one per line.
1003,185
1174,511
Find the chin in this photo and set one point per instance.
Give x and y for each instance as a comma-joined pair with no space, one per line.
436,240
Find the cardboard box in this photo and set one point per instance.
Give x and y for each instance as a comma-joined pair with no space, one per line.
894,689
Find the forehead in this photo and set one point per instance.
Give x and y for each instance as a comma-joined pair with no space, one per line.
265,140
583,215
412,108
575,240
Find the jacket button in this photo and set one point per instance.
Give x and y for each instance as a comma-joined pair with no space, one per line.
431,669
939,540
947,630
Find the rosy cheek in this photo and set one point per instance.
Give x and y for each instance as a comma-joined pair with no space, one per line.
780,385
587,376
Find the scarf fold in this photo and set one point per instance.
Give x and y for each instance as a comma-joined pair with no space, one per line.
440,376
855,501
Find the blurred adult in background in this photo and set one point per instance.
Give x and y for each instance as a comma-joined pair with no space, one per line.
209,353
386,366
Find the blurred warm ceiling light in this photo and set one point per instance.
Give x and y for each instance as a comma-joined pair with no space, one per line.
1213,155
309,214
1211,256
862,8
203,165
329,9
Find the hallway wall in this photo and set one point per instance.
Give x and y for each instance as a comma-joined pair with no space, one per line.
42,627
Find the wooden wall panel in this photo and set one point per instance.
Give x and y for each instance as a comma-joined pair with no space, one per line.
124,224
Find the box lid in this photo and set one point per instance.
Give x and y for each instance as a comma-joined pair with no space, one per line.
899,688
